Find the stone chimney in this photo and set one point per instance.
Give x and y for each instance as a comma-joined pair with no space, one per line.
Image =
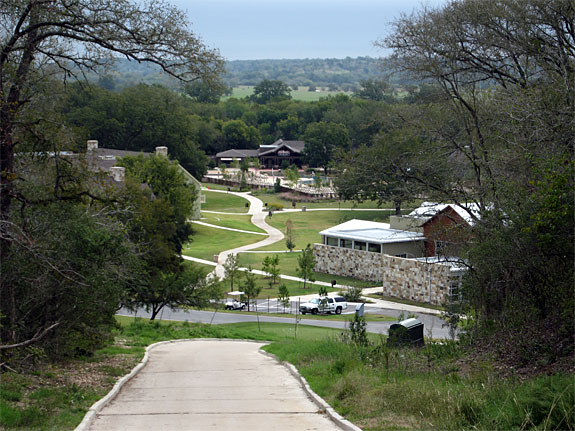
91,145
162,151
118,173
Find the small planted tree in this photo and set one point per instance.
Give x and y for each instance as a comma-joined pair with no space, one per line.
283,296
274,270
292,175
249,286
306,265
290,244
231,267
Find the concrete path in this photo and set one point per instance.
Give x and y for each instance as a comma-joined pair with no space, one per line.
259,220
206,384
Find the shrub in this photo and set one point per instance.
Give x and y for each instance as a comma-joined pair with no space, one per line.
353,294
276,207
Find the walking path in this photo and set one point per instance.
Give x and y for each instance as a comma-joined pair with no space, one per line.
258,219
214,384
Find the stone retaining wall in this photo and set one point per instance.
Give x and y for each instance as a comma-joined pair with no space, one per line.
400,278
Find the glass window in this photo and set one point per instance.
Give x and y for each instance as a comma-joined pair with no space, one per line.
331,241
359,245
345,243
376,248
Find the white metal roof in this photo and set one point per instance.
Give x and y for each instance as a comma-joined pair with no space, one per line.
370,231
429,209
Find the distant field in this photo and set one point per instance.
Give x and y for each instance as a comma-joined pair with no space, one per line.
301,94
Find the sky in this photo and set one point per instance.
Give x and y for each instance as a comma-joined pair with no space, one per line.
294,29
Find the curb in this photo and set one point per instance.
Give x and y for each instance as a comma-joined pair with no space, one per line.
317,400
100,404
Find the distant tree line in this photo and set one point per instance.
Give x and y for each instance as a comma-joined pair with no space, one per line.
343,74
195,123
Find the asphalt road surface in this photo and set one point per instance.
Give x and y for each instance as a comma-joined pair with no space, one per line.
432,324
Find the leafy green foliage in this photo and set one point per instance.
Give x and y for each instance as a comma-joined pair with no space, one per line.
306,264
249,286
322,140
138,118
270,90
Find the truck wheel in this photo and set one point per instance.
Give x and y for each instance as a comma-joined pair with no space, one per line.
314,311
338,310
303,312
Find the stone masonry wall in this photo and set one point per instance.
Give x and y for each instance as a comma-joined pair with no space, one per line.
401,278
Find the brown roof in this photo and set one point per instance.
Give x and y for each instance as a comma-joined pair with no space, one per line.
295,146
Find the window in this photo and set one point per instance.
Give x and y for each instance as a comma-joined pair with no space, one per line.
404,255
331,241
359,245
346,243
375,248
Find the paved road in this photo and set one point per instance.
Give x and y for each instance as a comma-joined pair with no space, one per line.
219,385
432,324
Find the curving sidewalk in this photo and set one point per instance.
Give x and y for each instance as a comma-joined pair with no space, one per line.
258,219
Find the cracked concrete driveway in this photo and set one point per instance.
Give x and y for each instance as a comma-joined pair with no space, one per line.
211,384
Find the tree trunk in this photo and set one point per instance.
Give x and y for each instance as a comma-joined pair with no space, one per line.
7,294
397,208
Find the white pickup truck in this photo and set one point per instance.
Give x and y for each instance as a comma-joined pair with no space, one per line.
329,304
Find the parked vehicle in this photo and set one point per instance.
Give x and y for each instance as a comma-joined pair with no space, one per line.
329,304
232,303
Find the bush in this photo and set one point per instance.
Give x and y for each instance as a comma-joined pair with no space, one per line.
353,294
275,207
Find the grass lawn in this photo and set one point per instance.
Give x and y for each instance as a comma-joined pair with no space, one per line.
307,225
224,202
234,221
288,266
301,93
207,241
213,186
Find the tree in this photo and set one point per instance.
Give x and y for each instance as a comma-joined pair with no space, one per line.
377,172
138,118
306,265
68,266
250,287
42,40
238,135
185,287
271,267
373,89
322,139
290,244
169,186
283,295
231,268
269,90
203,92
500,134
292,175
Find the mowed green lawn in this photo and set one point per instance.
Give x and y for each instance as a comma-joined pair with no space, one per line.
233,221
308,224
208,241
224,202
